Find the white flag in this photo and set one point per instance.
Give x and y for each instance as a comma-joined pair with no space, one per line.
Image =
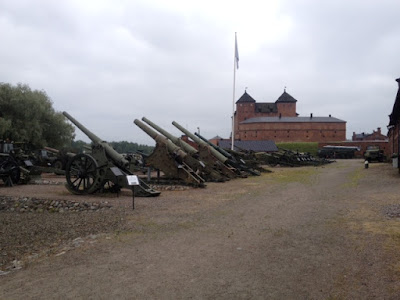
236,53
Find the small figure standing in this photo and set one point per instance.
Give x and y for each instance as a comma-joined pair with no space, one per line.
366,164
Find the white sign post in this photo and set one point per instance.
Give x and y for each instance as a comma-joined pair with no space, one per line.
132,181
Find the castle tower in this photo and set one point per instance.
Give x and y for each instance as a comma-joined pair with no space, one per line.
286,105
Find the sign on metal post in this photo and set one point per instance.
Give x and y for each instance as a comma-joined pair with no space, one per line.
132,181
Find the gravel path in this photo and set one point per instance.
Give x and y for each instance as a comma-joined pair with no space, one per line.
299,233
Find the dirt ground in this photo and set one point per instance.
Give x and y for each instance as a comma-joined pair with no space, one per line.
330,232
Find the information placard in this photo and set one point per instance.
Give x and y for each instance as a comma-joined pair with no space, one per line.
132,179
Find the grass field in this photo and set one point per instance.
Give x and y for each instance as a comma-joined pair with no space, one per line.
312,148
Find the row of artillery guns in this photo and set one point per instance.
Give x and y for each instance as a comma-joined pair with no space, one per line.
194,166
103,168
289,158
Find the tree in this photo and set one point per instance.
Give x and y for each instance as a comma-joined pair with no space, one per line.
5,126
79,146
28,116
129,147
120,147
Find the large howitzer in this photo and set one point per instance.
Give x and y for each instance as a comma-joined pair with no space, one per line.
101,169
209,170
171,159
236,159
208,153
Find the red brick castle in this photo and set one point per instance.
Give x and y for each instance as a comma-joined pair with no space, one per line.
278,121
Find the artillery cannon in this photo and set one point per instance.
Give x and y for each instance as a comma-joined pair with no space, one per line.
289,158
171,159
15,166
236,159
61,157
206,152
208,170
101,169
9,170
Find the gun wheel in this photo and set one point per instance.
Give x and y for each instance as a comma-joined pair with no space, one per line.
58,165
14,173
81,174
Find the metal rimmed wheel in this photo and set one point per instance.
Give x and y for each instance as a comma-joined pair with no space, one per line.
13,173
82,174
58,165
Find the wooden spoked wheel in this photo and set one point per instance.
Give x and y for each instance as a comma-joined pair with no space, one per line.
82,174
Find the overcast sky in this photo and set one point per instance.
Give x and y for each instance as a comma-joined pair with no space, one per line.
109,62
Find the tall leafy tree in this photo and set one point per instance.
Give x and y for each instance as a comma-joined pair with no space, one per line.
28,116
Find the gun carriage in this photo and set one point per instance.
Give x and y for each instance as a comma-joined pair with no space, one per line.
207,168
238,160
209,154
9,170
103,168
15,167
171,159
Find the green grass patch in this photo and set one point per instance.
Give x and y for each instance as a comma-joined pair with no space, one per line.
288,175
354,178
311,148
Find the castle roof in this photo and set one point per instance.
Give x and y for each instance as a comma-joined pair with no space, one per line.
266,107
293,120
257,146
245,98
285,98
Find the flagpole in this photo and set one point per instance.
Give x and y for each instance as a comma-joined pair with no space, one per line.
235,60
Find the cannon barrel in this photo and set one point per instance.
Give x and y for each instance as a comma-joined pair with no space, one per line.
177,141
56,151
146,129
52,150
219,149
172,148
116,157
237,162
94,138
217,154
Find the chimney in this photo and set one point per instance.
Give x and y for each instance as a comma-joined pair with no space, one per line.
330,116
311,116
379,130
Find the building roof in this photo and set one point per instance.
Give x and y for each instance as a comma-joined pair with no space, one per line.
361,135
246,98
285,98
395,115
256,146
293,120
217,137
266,107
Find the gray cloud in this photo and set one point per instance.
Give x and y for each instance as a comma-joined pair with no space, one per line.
108,63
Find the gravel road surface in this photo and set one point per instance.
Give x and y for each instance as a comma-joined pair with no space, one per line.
330,232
